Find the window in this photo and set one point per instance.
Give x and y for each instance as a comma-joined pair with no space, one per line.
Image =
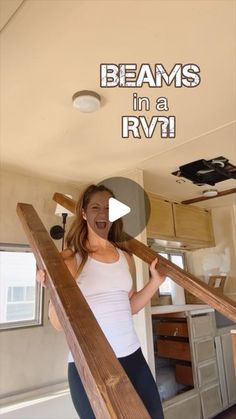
21,295
167,291
178,259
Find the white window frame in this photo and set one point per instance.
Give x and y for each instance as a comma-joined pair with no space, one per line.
38,318
171,253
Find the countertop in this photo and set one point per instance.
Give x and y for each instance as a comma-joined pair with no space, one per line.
194,308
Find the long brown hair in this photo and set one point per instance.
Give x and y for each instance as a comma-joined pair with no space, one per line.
78,233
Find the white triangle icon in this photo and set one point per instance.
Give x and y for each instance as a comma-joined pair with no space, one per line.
117,209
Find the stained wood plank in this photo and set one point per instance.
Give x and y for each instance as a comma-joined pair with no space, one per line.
205,198
109,390
172,329
188,281
184,374
173,349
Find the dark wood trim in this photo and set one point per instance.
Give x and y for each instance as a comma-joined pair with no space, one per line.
205,198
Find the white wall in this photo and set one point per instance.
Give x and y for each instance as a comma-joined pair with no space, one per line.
35,356
222,257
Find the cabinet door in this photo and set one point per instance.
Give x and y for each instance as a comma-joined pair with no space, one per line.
207,373
229,367
193,223
211,401
204,350
202,325
182,408
161,223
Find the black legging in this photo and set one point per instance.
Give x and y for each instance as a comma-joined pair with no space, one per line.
140,376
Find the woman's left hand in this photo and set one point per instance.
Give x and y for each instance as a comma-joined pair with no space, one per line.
155,275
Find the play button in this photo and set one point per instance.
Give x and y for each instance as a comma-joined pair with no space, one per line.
126,207
117,209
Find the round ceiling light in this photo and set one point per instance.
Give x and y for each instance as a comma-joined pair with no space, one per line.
86,101
209,193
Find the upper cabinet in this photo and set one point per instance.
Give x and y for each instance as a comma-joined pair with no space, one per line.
192,223
161,222
190,226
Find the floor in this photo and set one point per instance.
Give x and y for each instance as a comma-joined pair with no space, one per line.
58,406
227,414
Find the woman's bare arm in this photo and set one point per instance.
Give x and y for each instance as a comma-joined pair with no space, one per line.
138,299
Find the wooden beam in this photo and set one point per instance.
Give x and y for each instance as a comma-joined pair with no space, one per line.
65,201
205,198
183,278
186,280
109,390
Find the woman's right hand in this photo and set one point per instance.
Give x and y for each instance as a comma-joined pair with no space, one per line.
41,277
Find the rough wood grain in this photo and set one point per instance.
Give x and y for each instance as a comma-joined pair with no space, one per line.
186,280
109,390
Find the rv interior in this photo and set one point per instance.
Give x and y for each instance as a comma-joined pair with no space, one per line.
51,49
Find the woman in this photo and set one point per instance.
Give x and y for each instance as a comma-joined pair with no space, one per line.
104,274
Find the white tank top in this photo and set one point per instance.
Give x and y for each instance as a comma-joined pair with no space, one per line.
105,287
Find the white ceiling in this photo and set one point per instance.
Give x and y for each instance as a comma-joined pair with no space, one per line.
52,48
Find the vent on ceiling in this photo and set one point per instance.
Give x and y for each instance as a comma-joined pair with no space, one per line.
209,172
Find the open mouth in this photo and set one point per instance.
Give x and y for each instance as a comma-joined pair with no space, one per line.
101,224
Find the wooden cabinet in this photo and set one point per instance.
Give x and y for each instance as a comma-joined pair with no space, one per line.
161,222
175,329
211,401
204,350
233,340
202,360
226,368
184,374
192,223
173,349
172,344
190,226
174,366
207,373
229,368
202,328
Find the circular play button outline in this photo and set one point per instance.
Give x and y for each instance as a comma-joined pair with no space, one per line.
132,196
